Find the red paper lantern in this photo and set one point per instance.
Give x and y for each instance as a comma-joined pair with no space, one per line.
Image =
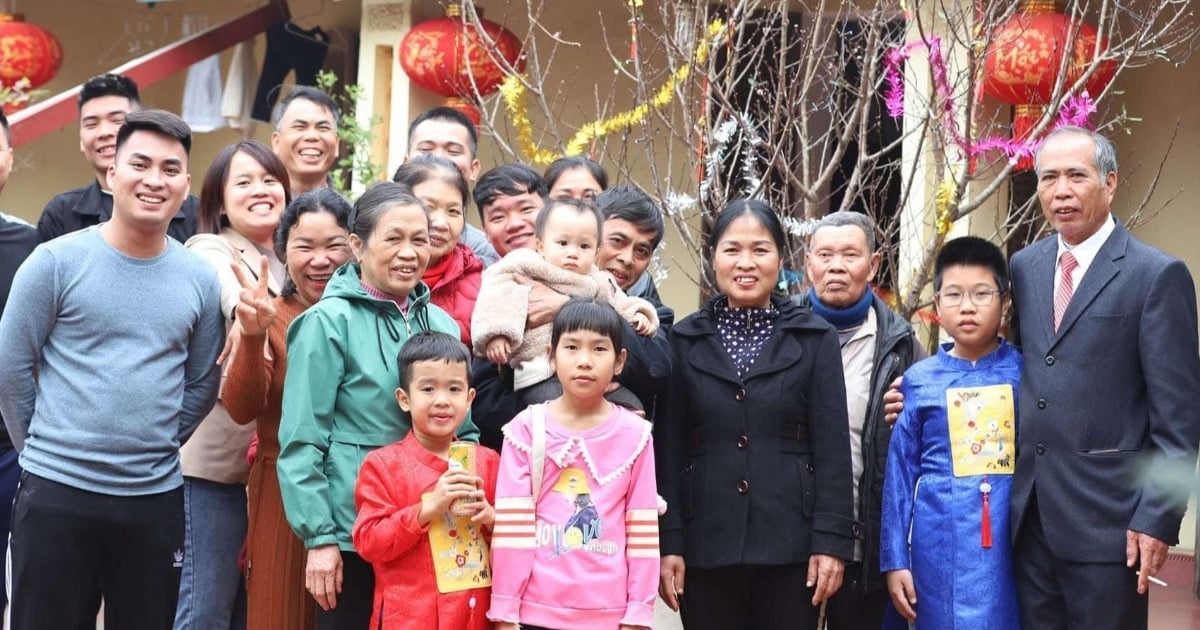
466,107
1025,55
27,51
449,56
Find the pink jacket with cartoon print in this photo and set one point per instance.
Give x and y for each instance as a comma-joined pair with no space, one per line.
585,554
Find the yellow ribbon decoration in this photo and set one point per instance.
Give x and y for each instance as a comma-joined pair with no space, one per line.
512,92
943,200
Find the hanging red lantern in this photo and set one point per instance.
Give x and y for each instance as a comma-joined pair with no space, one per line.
449,56
1025,55
27,51
466,107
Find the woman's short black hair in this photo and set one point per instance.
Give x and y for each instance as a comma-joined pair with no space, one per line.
316,200
422,168
212,194
755,209
564,164
580,313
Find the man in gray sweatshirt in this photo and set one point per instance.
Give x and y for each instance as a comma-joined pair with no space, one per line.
122,328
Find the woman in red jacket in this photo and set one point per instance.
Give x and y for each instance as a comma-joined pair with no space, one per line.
454,272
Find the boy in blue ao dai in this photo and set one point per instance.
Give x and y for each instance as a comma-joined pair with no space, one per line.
945,541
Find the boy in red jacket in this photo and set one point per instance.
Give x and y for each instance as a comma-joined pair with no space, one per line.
424,517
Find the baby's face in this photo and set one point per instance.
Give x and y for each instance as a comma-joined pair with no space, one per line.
569,240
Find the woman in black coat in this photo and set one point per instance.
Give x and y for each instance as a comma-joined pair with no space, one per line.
753,446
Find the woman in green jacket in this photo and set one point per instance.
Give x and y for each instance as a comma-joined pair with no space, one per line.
339,393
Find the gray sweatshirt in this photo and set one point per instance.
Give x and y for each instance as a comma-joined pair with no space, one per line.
125,354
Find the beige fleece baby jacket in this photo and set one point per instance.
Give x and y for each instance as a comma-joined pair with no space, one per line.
503,304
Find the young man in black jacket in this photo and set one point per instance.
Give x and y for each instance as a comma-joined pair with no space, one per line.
104,101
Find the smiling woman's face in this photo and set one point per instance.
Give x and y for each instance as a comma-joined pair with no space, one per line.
253,199
746,262
446,215
396,254
316,247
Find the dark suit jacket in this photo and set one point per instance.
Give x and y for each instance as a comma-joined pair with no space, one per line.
755,470
1108,398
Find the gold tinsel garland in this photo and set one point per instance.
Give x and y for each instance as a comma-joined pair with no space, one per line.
944,205
512,92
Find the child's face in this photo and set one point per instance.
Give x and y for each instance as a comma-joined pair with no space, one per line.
437,398
971,309
569,239
585,363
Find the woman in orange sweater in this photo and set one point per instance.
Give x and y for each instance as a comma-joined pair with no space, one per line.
313,240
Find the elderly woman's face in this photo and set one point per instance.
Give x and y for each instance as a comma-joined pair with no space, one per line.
746,261
397,252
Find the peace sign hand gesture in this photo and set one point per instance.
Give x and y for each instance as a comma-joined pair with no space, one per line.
254,312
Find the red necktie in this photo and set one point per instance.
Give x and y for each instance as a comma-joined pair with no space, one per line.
1066,286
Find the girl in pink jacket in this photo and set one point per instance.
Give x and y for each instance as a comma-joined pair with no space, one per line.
575,543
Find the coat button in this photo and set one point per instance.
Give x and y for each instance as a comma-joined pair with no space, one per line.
688,468
743,441
1050,360
740,395
743,487
810,468
1041,403
1041,449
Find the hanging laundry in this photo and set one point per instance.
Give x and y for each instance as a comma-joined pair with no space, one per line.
289,48
202,89
239,86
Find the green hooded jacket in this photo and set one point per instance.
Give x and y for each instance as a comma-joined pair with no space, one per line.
339,401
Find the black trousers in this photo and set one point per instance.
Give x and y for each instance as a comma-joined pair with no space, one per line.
10,475
353,608
852,609
749,597
1057,594
70,547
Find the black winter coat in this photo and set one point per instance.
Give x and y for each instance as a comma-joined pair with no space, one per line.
755,471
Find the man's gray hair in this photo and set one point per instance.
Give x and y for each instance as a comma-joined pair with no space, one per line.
843,218
1105,156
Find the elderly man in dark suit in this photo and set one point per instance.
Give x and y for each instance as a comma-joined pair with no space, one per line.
1108,328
